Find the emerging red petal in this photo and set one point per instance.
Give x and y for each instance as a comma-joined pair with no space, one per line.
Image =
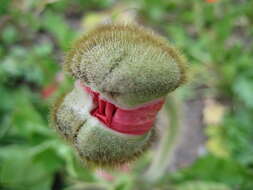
135,121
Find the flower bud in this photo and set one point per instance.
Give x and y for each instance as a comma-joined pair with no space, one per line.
123,74
127,64
94,142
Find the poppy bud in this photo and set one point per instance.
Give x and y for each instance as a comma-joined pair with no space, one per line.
123,74
128,65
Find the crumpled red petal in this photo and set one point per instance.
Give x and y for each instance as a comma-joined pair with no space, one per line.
135,121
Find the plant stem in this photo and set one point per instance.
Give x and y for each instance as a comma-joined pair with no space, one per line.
163,154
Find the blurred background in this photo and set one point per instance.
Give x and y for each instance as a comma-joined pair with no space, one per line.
207,141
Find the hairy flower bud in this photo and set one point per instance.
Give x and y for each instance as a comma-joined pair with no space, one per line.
123,74
93,141
128,65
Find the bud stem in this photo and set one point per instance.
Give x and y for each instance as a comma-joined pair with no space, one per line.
163,155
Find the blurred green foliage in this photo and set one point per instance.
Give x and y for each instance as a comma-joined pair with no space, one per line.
217,40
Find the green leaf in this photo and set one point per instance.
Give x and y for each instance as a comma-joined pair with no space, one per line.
57,26
212,169
243,88
202,185
9,35
18,170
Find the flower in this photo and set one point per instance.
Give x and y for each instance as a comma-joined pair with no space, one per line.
122,73
211,1
49,90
